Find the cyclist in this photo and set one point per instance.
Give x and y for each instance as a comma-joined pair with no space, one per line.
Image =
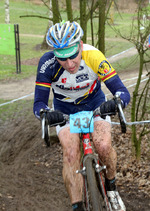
74,71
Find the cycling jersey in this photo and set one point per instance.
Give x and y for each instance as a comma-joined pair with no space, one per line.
79,91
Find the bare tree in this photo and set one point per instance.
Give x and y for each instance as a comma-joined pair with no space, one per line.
7,17
69,10
140,104
97,9
101,30
140,99
44,44
83,18
56,13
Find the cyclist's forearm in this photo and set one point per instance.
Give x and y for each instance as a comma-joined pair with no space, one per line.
116,86
40,101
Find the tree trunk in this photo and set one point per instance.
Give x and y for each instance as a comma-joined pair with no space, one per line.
69,10
83,19
92,29
136,139
44,44
7,18
55,9
135,142
101,31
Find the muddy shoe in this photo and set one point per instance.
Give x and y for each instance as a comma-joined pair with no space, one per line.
116,201
78,206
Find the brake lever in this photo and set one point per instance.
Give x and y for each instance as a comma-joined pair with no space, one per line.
45,128
120,114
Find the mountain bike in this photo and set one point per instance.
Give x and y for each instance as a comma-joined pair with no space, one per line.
92,169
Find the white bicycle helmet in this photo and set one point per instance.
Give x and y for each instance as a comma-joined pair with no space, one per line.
65,34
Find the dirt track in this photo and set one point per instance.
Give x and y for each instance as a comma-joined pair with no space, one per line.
30,173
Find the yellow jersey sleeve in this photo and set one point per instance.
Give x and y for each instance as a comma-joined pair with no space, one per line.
96,60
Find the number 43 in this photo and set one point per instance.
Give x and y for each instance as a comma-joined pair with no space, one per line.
82,122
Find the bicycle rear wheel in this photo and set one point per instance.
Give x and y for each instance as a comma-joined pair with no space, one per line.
95,200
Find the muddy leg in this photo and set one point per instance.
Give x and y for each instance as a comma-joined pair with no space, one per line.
71,163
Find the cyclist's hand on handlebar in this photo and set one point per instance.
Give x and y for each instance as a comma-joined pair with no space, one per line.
108,107
55,118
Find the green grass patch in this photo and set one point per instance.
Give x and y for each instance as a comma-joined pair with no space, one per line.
126,63
115,47
8,72
30,26
130,63
30,47
16,110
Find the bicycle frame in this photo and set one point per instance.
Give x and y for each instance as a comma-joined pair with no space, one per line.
98,166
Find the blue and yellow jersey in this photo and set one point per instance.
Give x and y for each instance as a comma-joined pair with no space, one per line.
79,91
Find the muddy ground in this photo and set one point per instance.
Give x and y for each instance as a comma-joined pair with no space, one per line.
31,173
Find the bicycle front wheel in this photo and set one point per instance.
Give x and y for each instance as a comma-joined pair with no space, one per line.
95,198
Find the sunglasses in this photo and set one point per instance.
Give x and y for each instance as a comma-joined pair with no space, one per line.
71,57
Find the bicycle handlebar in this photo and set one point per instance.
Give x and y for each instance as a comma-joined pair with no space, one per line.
123,119
123,123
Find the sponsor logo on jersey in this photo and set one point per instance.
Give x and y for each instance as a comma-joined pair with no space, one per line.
106,71
77,88
46,64
81,68
81,78
64,80
104,68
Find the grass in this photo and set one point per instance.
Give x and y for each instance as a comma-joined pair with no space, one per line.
27,25
116,47
14,110
37,26
9,72
28,45
127,63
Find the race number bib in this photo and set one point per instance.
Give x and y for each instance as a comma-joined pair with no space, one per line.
82,122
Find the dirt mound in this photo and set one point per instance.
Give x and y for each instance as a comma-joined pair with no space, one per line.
31,174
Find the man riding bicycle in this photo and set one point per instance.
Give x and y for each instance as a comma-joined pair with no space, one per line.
74,71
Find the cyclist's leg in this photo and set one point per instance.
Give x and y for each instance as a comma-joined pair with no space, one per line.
71,163
102,142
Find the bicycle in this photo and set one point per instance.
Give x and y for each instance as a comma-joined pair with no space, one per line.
94,193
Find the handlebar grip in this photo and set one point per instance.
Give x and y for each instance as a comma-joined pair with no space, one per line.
46,126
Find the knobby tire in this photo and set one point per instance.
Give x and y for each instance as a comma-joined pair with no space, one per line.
95,197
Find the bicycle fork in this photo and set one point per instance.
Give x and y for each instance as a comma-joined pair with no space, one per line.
88,152
98,170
